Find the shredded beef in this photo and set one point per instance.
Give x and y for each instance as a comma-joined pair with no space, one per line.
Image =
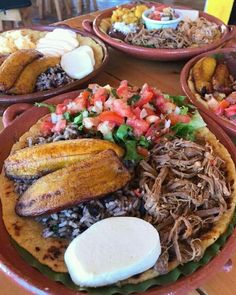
185,191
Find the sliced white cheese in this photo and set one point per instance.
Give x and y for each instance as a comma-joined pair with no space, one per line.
47,51
63,32
77,64
64,45
111,250
88,50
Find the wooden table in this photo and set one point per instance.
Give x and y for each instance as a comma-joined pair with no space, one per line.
164,75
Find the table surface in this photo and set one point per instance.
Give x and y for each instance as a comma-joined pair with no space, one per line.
164,75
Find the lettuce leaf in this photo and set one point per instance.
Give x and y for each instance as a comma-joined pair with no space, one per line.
188,130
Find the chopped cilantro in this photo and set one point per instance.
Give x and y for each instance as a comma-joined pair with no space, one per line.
113,92
131,151
51,107
68,117
78,119
184,110
133,99
123,132
144,142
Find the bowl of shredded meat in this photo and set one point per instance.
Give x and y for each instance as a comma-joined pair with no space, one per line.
123,29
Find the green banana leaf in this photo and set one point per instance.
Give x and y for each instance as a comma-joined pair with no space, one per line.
171,277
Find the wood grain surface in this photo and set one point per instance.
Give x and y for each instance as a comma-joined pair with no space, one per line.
164,75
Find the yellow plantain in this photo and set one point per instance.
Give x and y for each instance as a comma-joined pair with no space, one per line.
27,79
32,162
203,71
14,65
221,78
95,177
208,66
3,57
40,159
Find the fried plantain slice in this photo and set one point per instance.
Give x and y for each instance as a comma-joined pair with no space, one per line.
221,79
203,71
27,79
92,178
14,65
32,162
3,57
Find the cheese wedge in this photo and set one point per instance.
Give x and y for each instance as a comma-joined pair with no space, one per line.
112,250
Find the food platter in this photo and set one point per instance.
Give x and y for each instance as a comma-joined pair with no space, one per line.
157,53
225,55
29,278
141,165
6,100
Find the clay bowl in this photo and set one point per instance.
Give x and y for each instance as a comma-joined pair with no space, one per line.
155,53
7,100
229,55
29,278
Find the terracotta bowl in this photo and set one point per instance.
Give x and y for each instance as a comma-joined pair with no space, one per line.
230,55
155,53
29,278
7,100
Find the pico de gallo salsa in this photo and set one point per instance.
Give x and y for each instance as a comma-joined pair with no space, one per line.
130,116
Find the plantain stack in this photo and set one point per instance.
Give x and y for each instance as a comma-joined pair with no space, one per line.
14,64
33,162
203,72
91,178
27,79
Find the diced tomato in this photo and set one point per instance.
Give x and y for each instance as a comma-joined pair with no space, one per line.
149,111
166,106
46,127
175,118
60,125
232,98
123,90
163,104
111,117
146,94
100,95
61,109
81,102
137,192
231,111
139,126
122,108
155,16
154,129
221,107
142,151
137,112
91,122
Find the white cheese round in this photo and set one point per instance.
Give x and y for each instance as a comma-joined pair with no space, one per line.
77,64
112,250
88,50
